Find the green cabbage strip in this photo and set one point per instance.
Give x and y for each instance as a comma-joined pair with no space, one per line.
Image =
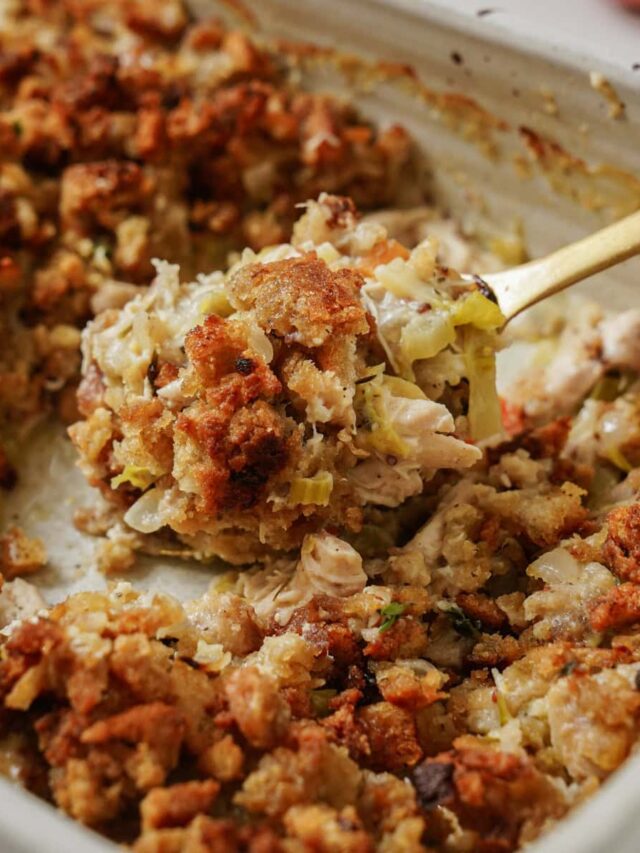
485,419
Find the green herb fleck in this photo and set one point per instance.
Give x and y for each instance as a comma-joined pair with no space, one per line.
320,700
391,613
460,621
17,128
568,667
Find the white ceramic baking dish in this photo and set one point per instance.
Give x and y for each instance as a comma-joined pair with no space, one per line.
513,136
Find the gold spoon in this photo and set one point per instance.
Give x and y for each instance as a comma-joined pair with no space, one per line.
520,287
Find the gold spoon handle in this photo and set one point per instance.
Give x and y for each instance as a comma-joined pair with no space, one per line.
520,287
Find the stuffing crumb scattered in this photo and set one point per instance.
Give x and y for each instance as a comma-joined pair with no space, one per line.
20,554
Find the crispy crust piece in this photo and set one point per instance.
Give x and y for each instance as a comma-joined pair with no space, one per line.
20,554
617,609
301,299
621,549
494,794
177,805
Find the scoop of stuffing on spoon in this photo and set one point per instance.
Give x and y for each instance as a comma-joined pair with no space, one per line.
313,380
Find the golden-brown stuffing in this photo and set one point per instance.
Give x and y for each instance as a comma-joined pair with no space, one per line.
622,545
618,608
249,410
314,726
261,714
495,795
205,833
118,147
19,554
390,732
425,657
302,299
177,805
